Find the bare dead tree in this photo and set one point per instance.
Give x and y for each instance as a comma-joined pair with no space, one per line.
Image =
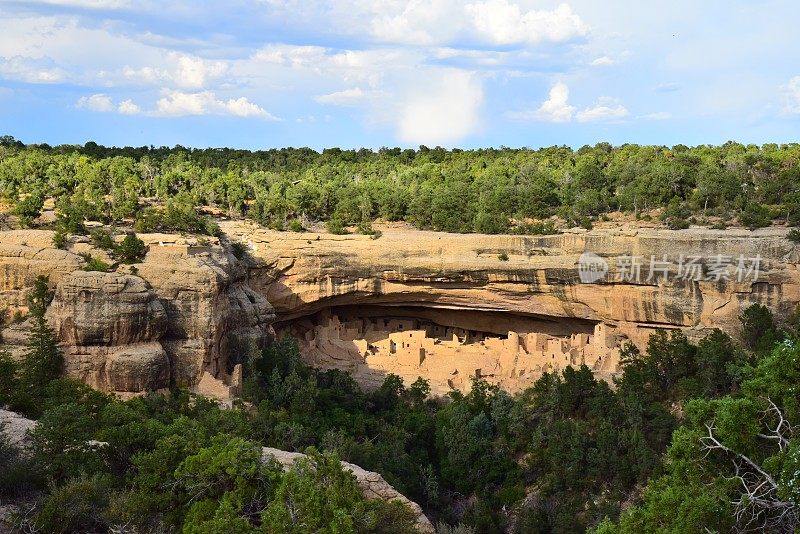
757,507
24,520
126,528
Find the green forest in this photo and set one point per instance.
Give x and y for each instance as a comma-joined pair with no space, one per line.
692,437
487,190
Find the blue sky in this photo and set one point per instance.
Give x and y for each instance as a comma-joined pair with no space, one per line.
353,73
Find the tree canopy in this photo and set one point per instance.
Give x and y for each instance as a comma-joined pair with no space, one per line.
485,190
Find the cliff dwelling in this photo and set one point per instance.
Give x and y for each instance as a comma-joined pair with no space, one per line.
449,347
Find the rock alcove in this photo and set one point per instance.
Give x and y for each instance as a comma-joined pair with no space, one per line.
449,346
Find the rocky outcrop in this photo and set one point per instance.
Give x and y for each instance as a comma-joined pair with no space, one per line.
184,313
109,325
107,309
372,484
15,428
24,255
212,313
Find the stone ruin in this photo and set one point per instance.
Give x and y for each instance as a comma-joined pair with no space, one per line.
448,357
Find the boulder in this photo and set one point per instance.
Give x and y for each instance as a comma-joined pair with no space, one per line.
135,368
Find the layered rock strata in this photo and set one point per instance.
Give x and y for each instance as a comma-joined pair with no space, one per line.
216,307
213,316
633,281
109,325
185,315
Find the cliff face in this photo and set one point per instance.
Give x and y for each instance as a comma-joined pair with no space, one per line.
303,273
562,286
199,306
175,317
110,325
210,307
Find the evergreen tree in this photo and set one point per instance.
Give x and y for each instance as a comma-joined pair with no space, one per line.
29,208
131,250
43,361
8,378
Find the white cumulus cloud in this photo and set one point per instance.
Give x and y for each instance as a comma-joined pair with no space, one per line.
30,70
792,96
442,110
96,102
177,103
181,70
103,103
419,22
504,23
606,109
558,109
128,107
555,109
195,72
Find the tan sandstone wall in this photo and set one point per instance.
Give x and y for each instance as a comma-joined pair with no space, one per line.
302,273
175,317
215,305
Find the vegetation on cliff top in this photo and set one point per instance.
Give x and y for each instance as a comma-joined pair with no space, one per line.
487,190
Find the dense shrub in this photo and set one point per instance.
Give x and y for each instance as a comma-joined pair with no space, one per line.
59,239
95,264
296,226
336,226
755,216
102,239
536,228
131,249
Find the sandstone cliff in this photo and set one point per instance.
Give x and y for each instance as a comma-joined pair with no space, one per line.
110,325
195,303
302,273
694,279
178,316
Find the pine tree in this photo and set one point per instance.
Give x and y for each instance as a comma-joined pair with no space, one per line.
43,361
